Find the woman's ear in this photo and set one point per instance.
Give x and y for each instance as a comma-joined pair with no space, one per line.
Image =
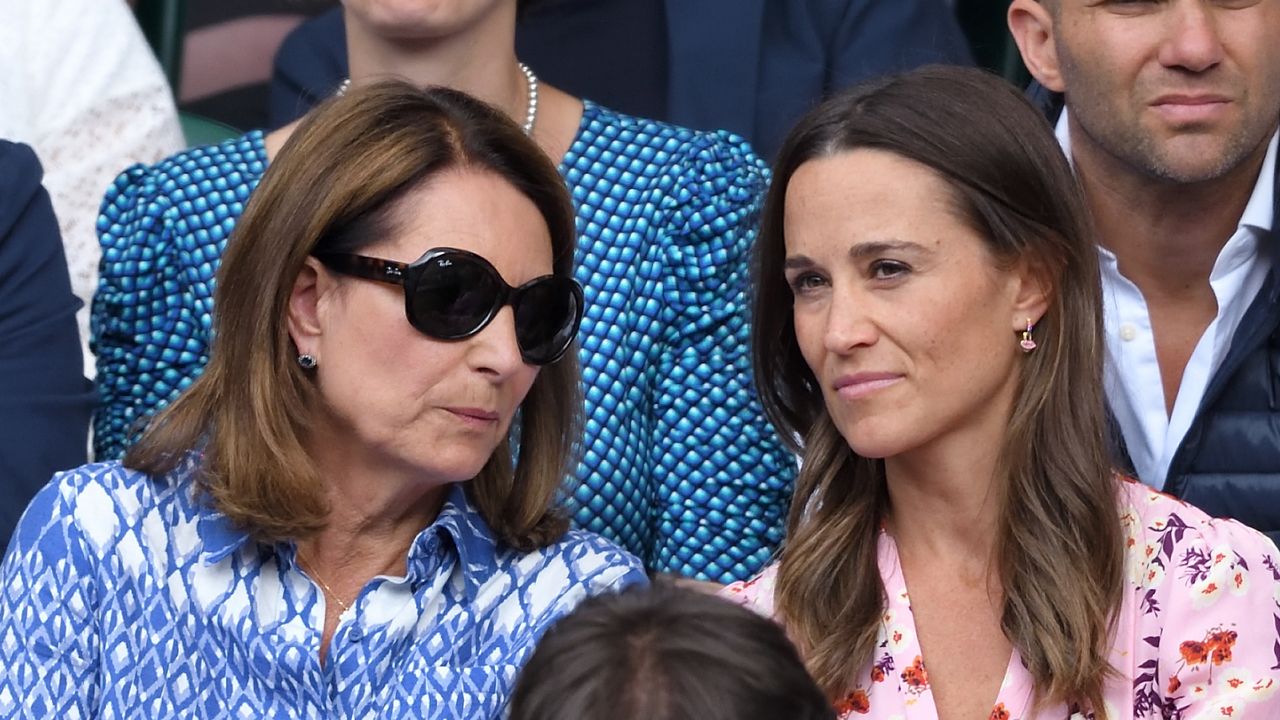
1031,24
305,322
1032,288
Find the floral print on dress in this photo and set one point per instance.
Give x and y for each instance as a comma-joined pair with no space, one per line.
854,702
1197,636
915,679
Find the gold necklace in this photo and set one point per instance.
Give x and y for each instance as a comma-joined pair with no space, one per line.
310,570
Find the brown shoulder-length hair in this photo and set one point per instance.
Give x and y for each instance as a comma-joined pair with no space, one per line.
334,188
1059,546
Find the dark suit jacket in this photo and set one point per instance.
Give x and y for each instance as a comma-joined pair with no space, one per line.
45,401
749,66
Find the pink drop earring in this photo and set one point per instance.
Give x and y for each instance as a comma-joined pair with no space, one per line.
1027,343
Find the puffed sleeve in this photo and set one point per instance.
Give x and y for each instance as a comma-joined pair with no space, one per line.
48,634
723,479
1209,633
138,292
163,229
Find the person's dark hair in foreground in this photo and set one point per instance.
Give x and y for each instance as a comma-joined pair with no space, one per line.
665,654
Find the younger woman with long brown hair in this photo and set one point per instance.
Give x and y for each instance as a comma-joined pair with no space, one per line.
928,334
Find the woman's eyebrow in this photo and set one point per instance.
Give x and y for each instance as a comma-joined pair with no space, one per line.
795,262
859,251
879,247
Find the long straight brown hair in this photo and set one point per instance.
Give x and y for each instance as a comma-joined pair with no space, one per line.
1060,546
335,187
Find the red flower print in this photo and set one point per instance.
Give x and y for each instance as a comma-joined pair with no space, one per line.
877,675
1174,684
1221,655
999,713
1215,648
1223,638
856,701
1220,644
1193,653
916,677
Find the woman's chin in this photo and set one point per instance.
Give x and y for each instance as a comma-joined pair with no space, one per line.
875,445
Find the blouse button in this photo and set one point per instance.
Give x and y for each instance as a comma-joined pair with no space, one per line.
1128,332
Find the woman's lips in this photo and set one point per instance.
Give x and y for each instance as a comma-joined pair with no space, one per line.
476,417
860,385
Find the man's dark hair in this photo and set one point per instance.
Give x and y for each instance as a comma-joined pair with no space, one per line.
666,654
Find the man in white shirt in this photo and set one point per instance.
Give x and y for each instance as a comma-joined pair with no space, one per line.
1170,120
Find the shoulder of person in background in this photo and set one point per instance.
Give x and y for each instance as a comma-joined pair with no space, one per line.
45,401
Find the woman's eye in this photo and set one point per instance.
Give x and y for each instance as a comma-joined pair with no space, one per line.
888,269
806,282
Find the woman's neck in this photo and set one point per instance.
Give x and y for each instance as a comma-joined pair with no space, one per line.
376,508
945,498
479,60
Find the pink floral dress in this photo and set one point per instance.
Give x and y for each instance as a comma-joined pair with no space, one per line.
1198,635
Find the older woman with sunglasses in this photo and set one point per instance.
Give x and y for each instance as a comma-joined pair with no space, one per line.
679,464
335,520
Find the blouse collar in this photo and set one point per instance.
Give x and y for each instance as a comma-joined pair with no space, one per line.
458,529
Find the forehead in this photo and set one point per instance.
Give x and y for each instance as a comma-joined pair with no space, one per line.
866,192
475,210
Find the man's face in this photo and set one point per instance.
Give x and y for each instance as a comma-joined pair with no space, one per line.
1179,90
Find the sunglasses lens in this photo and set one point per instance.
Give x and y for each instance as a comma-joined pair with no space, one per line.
547,313
453,297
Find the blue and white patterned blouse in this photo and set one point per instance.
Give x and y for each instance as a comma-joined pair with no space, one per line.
680,467
125,596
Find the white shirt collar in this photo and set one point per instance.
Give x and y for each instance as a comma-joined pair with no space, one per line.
1153,435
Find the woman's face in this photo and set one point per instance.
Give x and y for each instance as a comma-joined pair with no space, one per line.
405,400
422,19
900,310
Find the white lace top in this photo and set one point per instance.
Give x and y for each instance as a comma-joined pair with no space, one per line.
80,85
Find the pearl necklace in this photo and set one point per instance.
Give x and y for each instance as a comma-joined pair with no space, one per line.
531,92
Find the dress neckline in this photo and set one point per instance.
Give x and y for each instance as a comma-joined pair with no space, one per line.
1016,688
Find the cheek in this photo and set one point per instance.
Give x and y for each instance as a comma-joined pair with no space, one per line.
1267,76
522,383
1096,64
809,328
967,329
371,355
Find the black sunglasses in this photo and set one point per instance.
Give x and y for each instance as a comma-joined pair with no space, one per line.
452,294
